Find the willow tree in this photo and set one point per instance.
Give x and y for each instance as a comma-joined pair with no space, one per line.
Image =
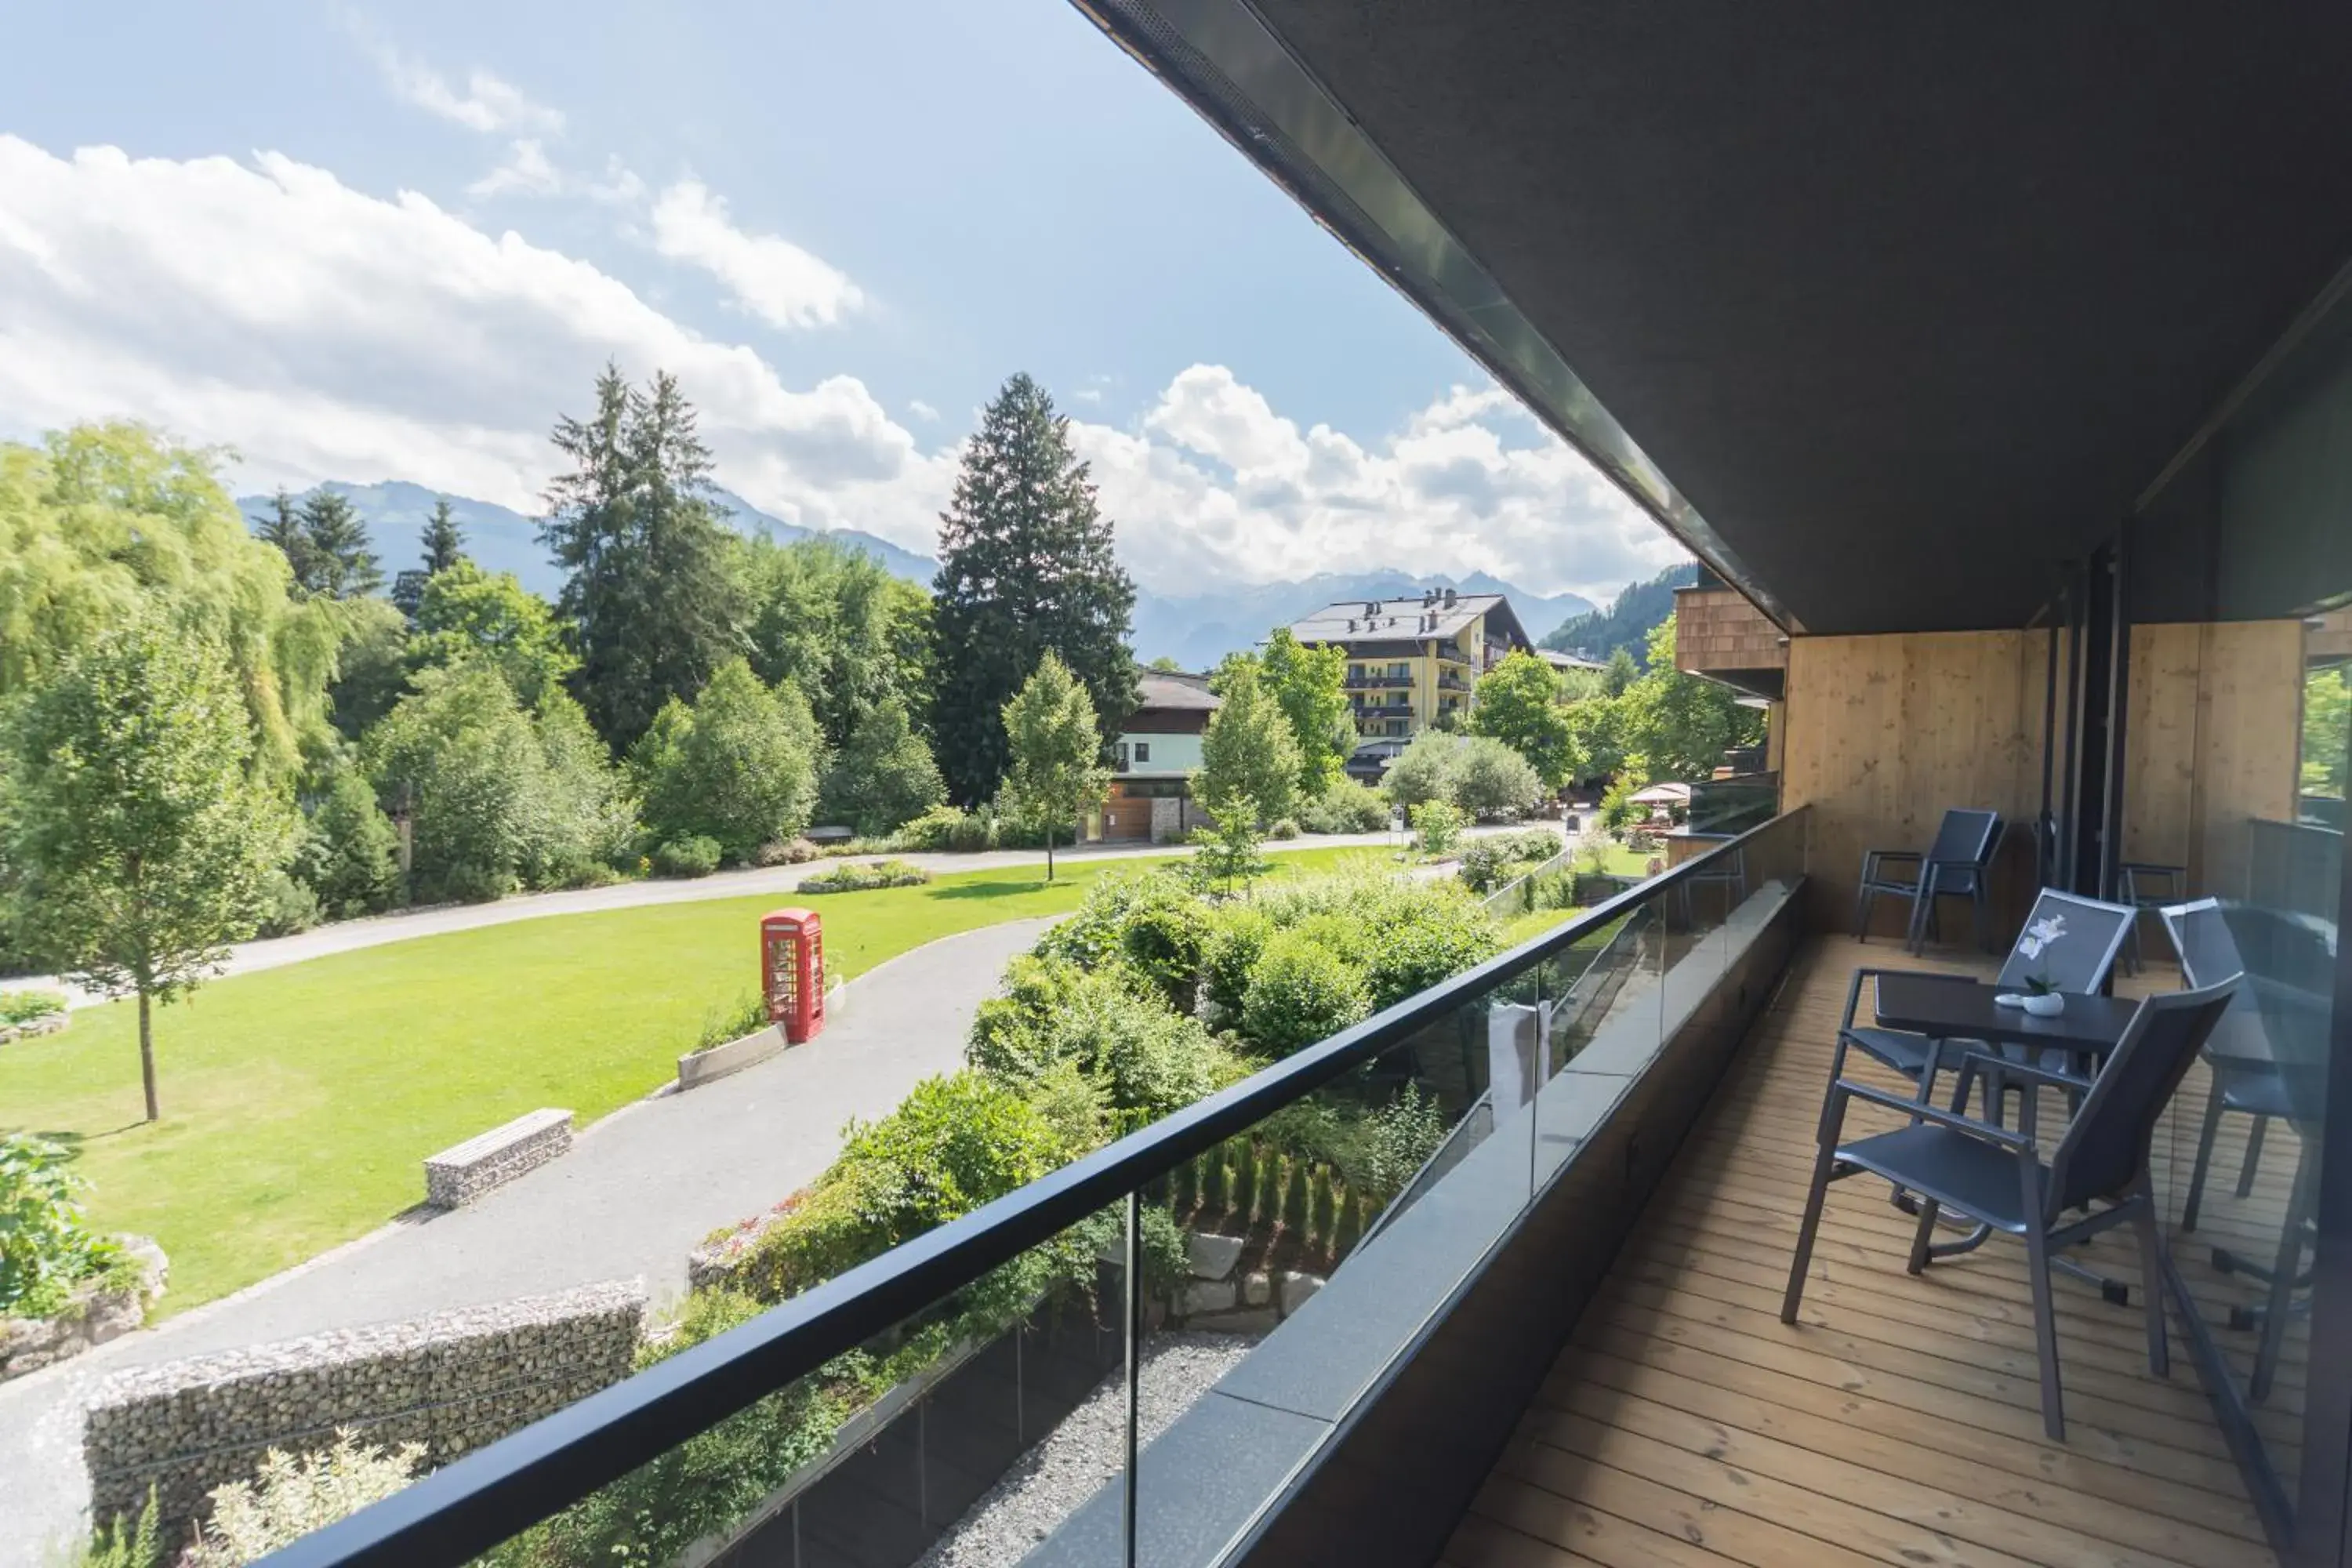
102,524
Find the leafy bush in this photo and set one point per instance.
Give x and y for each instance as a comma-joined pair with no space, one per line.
950,828
1228,850
785,852
1238,936
350,853
884,776
952,1144
43,1249
1423,771
858,877
1147,1059
1283,828
286,905
1618,809
497,800
1155,923
1490,862
739,765
292,1496
1436,824
1490,780
24,1007
1408,934
1346,806
1300,992
691,856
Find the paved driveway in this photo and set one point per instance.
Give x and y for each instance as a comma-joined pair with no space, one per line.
635,1193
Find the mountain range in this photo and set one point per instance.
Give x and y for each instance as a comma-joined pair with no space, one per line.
1194,629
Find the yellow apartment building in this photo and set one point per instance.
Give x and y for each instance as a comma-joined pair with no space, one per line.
1413,662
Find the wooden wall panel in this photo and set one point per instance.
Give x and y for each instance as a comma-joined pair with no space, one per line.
1885,733
2215,723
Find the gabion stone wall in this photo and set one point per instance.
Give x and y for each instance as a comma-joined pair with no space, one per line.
459,1175
452,1381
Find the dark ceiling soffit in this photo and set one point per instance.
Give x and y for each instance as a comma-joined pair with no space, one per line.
1221,58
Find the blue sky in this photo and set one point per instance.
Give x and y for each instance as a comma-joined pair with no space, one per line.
361,242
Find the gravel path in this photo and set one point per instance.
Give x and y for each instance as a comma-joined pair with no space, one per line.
1051,1480
638,1189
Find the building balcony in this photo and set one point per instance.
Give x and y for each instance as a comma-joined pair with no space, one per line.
1564,1328
1376,682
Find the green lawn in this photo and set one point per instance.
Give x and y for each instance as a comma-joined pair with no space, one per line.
298,1102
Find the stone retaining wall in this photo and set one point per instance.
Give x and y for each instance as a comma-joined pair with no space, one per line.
451,1381
46,1023
93,1315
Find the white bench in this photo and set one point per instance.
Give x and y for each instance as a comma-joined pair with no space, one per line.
464,1171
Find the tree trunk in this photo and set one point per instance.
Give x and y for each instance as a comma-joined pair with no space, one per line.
1049,851
147,1057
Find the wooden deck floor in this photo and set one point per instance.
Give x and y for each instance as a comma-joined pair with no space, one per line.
1899,1422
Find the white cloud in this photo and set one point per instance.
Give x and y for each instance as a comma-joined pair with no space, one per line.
328,334
486,103
1217,485
773,279
922,410
526,173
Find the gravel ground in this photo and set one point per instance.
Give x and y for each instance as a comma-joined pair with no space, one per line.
1051,1480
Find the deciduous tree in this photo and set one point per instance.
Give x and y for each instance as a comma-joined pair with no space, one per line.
885,777
1026,566
1056,750
102,524
1247,751
1309,685
831,619
739,765
1683,724
137,833
1517,704
466,613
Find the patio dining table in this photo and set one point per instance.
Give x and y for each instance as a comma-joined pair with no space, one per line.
1962,1017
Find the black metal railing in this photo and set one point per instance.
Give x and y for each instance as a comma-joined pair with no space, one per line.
1443,1036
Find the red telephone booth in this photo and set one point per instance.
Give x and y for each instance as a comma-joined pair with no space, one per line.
792,971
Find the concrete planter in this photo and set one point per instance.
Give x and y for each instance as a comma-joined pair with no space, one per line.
698,1068
92,1315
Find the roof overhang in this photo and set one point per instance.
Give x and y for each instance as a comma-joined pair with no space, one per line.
1887,312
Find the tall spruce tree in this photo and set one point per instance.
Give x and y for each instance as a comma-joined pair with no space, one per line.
443,541
1026,567
654,606
283,528
444,546
340,564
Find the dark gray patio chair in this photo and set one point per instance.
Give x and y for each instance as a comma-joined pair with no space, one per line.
1997,1178
1958,865
2247,1081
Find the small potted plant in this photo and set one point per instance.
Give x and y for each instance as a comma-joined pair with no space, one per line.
2043,999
